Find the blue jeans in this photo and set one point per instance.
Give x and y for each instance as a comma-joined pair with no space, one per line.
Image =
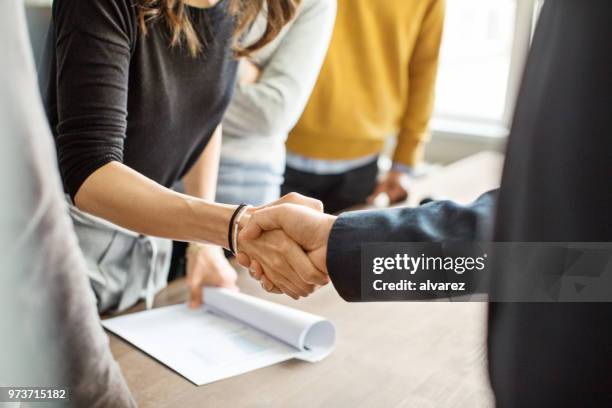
248,183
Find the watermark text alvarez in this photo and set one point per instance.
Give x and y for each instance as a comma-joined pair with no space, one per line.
406,266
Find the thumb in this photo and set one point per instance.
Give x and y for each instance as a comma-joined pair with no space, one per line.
251,231
194,284
195,295
299,199
243,259
265,219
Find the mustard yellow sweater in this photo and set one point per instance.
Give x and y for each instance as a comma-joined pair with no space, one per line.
378,80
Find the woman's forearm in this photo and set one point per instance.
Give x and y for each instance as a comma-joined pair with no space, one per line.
125,197
201,180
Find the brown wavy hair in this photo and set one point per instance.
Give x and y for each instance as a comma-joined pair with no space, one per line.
173,13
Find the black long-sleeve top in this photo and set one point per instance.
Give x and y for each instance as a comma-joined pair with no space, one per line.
114,94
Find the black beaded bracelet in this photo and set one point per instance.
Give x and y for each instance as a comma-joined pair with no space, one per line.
230,232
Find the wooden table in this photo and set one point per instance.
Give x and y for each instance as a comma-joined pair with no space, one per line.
462,181
388,354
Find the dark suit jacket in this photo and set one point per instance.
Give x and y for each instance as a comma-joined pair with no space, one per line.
557,186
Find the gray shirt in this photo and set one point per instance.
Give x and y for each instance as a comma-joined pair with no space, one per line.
51,333
261,115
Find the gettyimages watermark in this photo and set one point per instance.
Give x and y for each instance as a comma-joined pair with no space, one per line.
496,272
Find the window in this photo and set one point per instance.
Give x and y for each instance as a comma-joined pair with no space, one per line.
483,52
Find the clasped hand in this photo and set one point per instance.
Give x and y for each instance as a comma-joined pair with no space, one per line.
284,245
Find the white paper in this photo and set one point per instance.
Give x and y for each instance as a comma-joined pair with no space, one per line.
232,334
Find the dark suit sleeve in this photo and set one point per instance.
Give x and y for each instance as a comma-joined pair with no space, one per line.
435,222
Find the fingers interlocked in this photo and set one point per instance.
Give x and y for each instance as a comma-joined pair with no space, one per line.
275,255
282,261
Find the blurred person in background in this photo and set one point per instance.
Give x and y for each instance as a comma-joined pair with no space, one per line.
273,87
51,333
378,80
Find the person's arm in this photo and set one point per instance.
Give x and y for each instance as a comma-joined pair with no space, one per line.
423,70
125,197
334,244
201,180
272,105
413,132
206,264
434,222
94,41
51,330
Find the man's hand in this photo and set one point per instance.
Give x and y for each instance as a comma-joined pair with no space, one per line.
284,263
207,266
394,185
297,199
304,227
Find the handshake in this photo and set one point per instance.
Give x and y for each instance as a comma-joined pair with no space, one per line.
284,245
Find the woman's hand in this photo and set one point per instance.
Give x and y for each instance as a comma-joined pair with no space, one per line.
282,259
249,73
207,266
285,263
